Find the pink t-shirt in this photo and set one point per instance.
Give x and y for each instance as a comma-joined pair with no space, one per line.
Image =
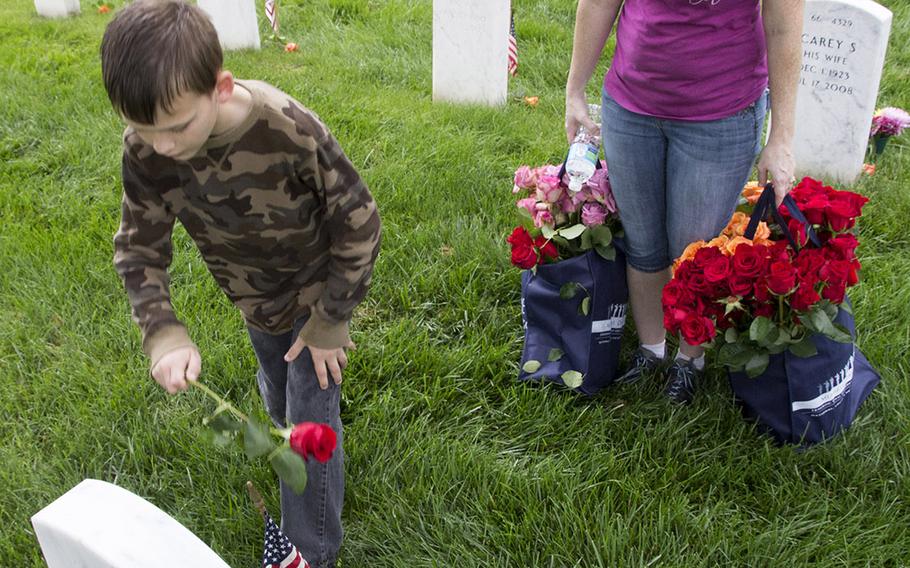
688,59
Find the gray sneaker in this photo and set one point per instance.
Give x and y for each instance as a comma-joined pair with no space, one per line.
682,377
644,362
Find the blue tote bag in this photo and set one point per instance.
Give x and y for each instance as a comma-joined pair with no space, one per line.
805,400
808,400
559,337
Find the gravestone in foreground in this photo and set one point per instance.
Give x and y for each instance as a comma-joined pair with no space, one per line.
844,44
56,8
470,51
235,21
99,525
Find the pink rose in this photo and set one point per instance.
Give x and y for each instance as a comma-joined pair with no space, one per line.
525,178
528,203
542,217
593,214
548,188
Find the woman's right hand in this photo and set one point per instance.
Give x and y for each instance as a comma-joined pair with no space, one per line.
577,114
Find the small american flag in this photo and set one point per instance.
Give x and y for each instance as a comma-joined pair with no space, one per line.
271,12
513,48
279,552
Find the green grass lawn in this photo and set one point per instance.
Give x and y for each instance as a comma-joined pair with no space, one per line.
449,460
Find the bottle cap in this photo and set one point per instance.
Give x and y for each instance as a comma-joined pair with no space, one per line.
575,185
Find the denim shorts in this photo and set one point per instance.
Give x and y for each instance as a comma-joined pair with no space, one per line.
677,182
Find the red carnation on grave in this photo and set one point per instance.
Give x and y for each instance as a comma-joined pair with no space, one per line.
309,439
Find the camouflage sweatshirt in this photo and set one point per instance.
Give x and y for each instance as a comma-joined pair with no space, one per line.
284,223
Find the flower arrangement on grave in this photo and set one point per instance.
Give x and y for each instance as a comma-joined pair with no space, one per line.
560,223
753,293
296,444
886,123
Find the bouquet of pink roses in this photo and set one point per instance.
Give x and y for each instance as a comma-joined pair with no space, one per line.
560,223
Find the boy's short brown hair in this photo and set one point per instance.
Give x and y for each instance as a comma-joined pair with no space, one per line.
153,51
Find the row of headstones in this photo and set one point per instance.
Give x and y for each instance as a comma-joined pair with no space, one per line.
844,44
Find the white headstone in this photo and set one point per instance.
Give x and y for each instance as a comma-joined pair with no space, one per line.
56,8
235,21
99,525
844,44
470,50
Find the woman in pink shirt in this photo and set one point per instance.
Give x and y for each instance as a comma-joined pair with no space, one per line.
684,106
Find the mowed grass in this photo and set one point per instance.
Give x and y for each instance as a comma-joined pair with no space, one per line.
449,460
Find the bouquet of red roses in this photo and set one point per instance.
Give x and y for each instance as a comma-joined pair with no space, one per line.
758,290
561,223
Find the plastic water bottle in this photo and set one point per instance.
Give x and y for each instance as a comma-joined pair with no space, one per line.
584,151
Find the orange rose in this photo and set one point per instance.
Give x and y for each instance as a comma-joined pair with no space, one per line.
737,225
752,192
689,253
719,242
735,242
762,232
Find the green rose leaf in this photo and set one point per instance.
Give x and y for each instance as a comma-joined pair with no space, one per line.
555,354
760,329
841,334
757,364
531,366
224,423
547,232
572,379
256,440
290,468
584,308
804,347
731,335
587,243
607,253
568,290
523,212
601,235
572,232
846,307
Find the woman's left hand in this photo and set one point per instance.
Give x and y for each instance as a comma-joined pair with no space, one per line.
776,164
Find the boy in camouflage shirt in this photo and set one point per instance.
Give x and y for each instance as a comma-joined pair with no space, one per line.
281,217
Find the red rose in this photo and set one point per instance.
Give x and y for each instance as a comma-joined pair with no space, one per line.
706,256
749,260
524,256
520,237
841,215
699,284
835,272
697,329
676,294
763,310
547,248
798,230
805,297
740,285
809,262
779,251
843,247
673,318
835,293
814,208
761,290
781,277
309,439
717,269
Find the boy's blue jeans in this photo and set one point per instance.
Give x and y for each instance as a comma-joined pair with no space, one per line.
291,391
677,182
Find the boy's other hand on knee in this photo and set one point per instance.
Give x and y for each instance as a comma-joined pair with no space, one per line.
177,367
325,361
